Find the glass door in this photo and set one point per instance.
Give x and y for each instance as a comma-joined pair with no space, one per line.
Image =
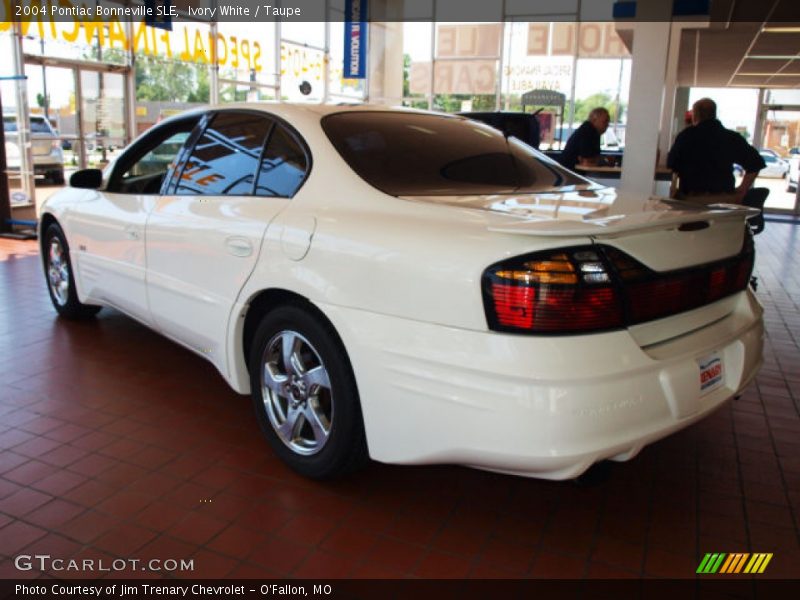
54,120
102,116
780,148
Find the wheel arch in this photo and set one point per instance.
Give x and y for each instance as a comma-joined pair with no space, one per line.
263,302
45,221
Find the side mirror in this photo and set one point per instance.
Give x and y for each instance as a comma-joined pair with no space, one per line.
86,178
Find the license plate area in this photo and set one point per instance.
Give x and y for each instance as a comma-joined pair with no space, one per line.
712,373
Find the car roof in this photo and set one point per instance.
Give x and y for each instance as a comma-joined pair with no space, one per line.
10,116
290,111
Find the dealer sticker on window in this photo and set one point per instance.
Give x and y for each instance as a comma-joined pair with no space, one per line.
711,373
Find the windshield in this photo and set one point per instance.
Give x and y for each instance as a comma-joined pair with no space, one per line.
414,154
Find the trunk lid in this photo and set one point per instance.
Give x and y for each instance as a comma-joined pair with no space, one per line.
662,234
41,144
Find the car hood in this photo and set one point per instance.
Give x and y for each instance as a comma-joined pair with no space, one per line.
663,233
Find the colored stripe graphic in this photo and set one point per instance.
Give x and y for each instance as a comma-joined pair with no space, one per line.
762,567
734,563
710,562
741,562
726,566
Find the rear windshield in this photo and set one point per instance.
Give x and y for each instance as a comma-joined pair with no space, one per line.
412,154
40,126
37,125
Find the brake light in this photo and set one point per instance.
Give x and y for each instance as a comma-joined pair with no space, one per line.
598,288
556,292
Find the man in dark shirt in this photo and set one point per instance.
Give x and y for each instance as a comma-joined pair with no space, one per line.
703,156
583,146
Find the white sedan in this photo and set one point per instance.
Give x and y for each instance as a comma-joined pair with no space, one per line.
412,287
776,166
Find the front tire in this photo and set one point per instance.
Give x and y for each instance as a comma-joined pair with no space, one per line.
305,395
60,278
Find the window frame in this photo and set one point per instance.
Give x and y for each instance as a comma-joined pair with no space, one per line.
172,187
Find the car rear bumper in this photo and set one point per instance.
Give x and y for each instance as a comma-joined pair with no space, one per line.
41,166
537,406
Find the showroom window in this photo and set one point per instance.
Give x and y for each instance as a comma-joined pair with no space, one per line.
226,156
248,70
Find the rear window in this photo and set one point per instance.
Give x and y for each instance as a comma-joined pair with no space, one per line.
37,125
412,154
40,126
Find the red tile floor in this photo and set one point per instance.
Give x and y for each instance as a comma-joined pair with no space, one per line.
116,443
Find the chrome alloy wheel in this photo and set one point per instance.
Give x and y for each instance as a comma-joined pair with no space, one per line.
297,393
58,271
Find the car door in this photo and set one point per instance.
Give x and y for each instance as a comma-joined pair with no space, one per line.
204,237
107,229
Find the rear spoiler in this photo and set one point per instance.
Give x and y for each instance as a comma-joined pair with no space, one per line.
613,225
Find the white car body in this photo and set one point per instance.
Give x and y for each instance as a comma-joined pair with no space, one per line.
399,279
776,166
794,169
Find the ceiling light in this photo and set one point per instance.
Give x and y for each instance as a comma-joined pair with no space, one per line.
781,30
773,56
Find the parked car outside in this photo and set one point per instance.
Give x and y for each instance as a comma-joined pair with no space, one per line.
794,166
48,157
413,287
776,167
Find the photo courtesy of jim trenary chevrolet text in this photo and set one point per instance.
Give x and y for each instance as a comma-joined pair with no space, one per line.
399,298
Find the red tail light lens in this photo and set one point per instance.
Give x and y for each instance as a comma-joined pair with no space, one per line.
553,292
598,288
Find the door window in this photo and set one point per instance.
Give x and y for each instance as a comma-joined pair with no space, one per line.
159,158
142,168
226,157
284,166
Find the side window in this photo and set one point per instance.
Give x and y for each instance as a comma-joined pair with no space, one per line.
225,158
159,158
284,166
141,169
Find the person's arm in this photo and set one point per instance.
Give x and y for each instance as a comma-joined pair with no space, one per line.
747,181
674,155
673,160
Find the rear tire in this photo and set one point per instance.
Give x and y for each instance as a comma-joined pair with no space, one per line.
305,395
60,278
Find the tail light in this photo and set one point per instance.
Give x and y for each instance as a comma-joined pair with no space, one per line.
598,288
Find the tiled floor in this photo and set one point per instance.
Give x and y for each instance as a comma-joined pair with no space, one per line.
116,443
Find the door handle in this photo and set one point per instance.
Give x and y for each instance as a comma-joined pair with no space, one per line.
239,246
132,232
